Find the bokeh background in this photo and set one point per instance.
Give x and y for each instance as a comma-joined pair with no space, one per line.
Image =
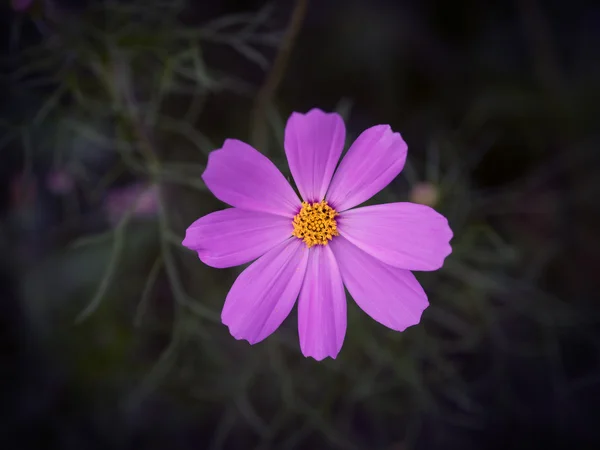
110,329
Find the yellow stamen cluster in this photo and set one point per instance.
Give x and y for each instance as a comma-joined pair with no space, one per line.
315,223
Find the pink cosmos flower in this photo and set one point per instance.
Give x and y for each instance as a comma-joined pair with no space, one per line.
310,250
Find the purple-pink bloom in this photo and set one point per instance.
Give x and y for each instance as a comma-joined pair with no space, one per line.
60,182
21,5
309,250
140,197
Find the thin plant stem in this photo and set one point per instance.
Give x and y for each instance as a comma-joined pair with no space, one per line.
269,88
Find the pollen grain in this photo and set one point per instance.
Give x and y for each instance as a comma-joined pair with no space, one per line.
315,224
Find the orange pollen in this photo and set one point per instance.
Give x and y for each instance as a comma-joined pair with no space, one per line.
315,223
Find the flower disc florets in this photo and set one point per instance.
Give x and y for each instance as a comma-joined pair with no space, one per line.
315,223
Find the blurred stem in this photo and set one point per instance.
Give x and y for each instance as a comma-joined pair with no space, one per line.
179,293
150,282
538,34
269,88
537,31
111,267
119,82
27,155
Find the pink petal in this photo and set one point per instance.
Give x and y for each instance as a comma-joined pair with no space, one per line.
404,235
240,176
391,296
264,294
313,144
372,162
235,236
322,306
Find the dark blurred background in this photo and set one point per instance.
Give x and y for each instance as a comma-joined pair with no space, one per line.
110,330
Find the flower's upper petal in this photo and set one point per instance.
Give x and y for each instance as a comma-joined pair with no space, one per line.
264,294
322,306
313,144
404,235
240,176
391,296
372,162
235,236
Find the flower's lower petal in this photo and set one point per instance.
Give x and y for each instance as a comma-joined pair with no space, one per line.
391,296
242,177
404,235
313,144
235,236
264,294
372,162
322,306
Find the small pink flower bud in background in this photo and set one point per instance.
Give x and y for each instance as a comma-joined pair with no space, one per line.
425,193
21,5
119,200
60,182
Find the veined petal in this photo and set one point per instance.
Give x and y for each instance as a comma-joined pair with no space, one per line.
372,162
404,235
242,177
391,296
235,236
313,144
264,294
322,306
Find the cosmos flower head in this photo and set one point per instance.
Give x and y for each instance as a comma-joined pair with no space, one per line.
307,248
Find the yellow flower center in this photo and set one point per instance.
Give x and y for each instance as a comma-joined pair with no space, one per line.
315,223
